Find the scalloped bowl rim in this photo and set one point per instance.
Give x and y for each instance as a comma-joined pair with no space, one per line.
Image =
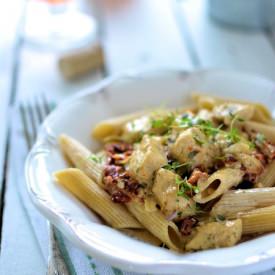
65,224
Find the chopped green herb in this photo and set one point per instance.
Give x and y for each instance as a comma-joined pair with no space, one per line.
222,158
198,140
175,165
252,145
196,189
133,125
233,135
157,123
260,138
95,158
164,122
186,121
207,127
184,186
179,213
192,154
220,218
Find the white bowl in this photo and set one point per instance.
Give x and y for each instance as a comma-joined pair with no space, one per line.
119,95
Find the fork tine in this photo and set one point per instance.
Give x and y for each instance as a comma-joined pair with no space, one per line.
33,120
32,115
40,114
46,105
22,109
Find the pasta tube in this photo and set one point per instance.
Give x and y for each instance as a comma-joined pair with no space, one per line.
142,235
261,113
80,156
236,201
113,126
267,130
267,178
87,191
260,220
218,183
156,223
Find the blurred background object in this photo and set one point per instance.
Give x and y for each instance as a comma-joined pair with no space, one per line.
58,24
244,13
82,61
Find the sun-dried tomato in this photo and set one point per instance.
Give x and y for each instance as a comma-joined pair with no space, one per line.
120,197
117,148
196,175
187,224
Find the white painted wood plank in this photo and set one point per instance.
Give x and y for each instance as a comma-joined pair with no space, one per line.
10,13
142,34
39,74
223,47
20,253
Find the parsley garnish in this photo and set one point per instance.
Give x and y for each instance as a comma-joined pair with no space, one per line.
251,144
185,187
222,158
164,122
175,165
234,135
207,127
220,218
186,121
192,154
198,140
179,213
95,158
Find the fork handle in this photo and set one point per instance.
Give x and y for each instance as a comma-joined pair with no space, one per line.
56,264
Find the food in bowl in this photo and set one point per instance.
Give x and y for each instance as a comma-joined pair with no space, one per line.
188,179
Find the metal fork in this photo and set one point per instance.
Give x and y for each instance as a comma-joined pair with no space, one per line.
32,114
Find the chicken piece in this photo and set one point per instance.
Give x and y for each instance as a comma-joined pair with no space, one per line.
251,164
226,112
238,148
165,190
146,159
244,154
192,146
215,235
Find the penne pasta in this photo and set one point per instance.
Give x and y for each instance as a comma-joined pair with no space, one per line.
267,178
261,220
261,113
156,223
113,126
142,235
87,191
267,130
80,156
169,176
236,201
218,183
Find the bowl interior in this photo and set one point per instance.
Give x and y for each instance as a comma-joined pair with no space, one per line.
77,117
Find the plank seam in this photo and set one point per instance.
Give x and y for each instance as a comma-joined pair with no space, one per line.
186,36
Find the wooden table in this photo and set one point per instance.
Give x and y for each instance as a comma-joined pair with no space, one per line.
135,33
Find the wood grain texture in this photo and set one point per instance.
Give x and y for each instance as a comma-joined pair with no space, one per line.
220,46
142,34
